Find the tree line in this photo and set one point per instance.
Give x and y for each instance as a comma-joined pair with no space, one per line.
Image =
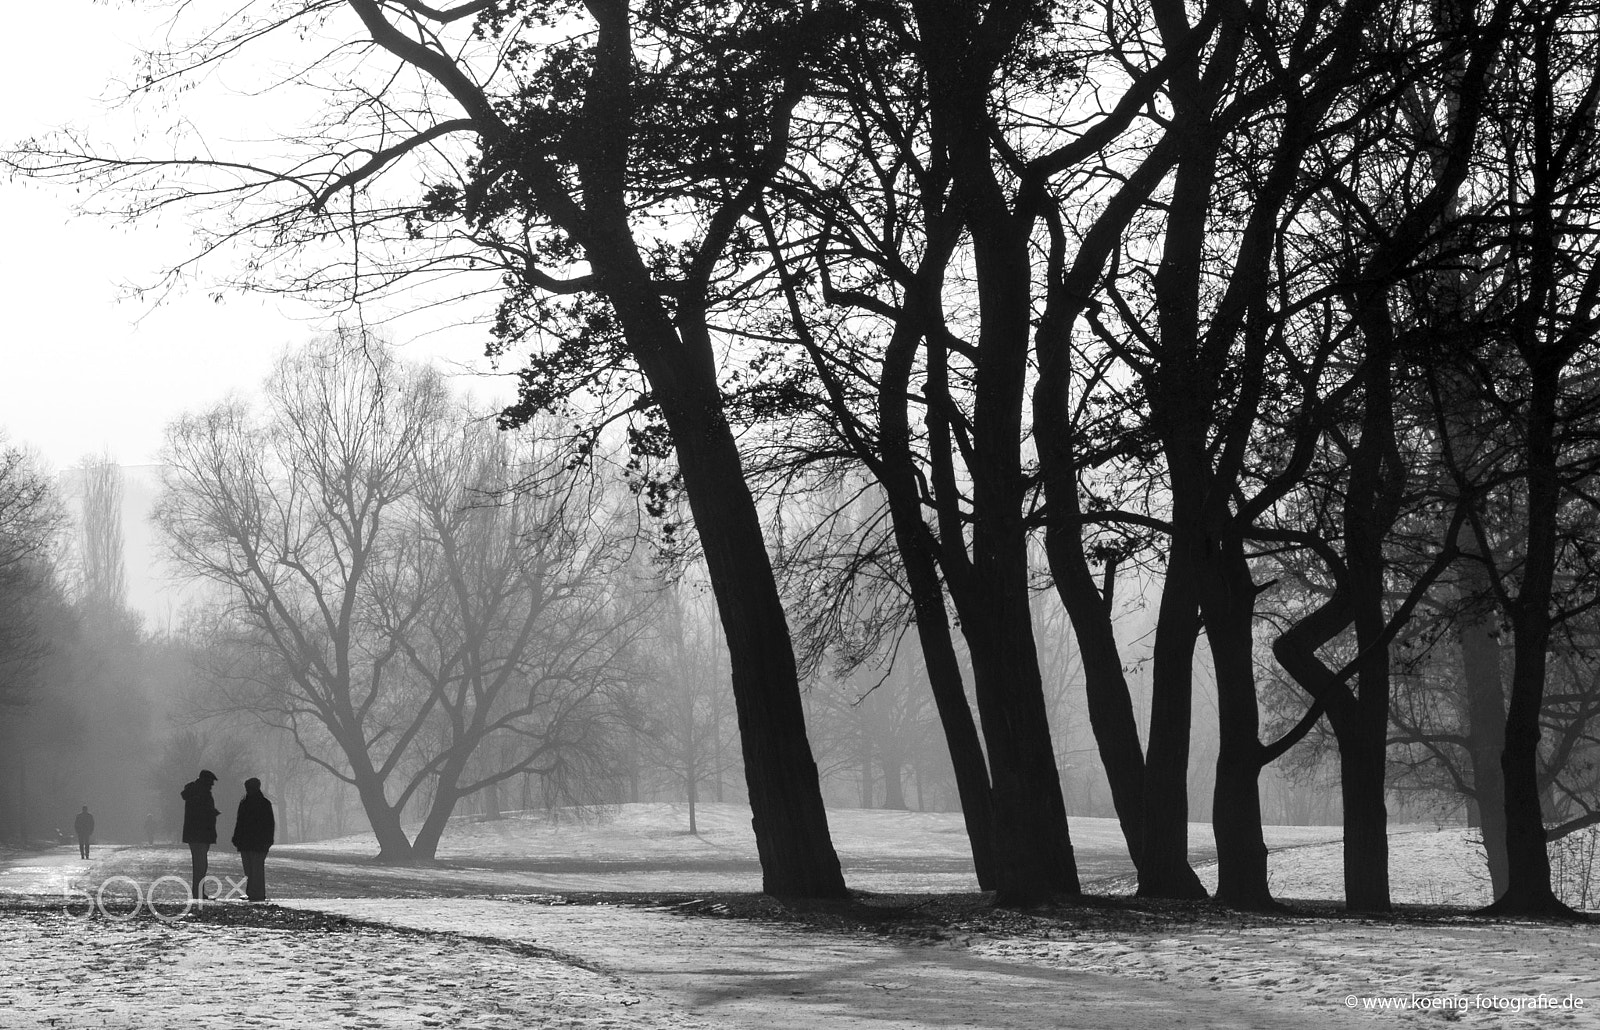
1289,302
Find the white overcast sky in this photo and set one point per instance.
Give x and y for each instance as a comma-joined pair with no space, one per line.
80,371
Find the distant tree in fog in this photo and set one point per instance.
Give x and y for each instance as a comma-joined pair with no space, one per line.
686,720
30,519
509,598
413,584
104,570
34,619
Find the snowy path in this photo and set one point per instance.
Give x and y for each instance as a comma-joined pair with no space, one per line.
739,974
45,872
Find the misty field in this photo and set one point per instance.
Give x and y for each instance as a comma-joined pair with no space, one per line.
622,919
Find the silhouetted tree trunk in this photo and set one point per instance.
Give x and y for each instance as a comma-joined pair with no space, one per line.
916,549
797,855
961,54
1528,890
791,826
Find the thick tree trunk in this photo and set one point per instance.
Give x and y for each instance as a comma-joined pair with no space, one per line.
1366,820
1528,889
1236,798
1030,818
394,847
1236,822
1361,722
1164,870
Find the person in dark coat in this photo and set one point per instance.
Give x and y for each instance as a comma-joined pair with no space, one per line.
84,824
199,822
252,834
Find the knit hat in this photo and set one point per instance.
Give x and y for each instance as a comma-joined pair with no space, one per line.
207,774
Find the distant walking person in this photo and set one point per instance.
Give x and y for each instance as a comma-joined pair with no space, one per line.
252,835
150,827
199,822
84,824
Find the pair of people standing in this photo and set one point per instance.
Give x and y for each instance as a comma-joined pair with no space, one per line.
252,831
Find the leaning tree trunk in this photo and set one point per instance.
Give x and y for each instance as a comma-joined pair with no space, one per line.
1111,718
918,550
426,843
950,699
1090,607
1036,858
446,795
791,825
679,361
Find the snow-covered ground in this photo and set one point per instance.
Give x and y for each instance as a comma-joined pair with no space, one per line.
648,847
485,940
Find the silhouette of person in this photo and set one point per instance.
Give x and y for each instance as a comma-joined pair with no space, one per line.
199,823
84,824
150,827
252,835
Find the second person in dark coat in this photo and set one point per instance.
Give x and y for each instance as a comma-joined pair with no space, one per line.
252,835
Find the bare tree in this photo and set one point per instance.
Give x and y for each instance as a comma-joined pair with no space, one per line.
682,718
512,604
31,518
33,615
406,604
288,514
105,585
